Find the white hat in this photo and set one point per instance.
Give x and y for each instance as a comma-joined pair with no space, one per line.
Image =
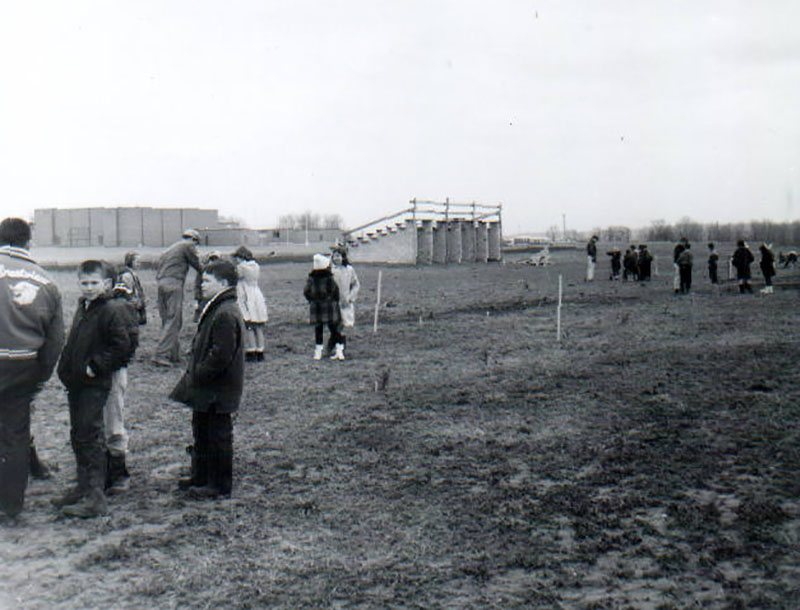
321,262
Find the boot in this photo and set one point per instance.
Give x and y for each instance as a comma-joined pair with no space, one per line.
199,476
318,352
339,355
72,496
38,468
94,504
259,356
116,474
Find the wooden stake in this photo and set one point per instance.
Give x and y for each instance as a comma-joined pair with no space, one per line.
558,310
377,303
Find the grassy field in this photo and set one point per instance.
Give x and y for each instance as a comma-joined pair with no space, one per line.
460,458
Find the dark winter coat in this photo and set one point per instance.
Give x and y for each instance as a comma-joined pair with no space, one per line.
99,338
767,263
214,376
322,295
591,250
128,283
742,258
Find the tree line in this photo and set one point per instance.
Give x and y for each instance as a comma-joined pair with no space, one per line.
310,220
784,233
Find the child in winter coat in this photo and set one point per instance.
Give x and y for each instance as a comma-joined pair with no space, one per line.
251,302
99,344
322,295
213,382
767,265
128,288
348,284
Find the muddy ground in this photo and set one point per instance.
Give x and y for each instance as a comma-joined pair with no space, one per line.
460,458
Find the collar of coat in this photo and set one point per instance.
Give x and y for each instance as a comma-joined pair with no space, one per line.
229,292
15,252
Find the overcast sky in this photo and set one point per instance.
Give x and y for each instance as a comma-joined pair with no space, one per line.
613,112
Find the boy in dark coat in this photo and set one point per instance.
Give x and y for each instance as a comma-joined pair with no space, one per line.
212,384
713,261
685,262
645,260
99,343
742,259
322,295
767,265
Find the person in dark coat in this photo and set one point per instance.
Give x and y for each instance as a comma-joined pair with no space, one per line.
591,257
767,265
212,384
630,265
99,344
322,295
645,263
676,252
742,259
616,263
685,262
713,261
31,337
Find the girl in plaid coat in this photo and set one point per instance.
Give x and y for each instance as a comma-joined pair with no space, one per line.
322,295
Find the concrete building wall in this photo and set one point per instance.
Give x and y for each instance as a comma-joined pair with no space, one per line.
117,226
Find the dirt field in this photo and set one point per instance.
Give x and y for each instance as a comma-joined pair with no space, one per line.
650,460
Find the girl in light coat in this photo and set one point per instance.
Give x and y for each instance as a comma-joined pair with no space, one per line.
251,303
347,281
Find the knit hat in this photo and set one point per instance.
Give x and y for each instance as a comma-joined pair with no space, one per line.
192,234
321,262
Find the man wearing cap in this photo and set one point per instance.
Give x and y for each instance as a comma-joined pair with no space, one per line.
173,266
31,337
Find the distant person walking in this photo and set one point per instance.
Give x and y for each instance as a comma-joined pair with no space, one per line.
251,303
173,266
348,285
616,263
645,263
767,265
31,337
322,295
685,263
676,252
742,259
713,262
591,258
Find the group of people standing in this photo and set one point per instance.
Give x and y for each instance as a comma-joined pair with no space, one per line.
637,262
92,359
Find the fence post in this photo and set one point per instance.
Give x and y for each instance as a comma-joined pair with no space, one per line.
377,303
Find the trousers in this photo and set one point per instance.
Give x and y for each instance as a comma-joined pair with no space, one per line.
114,414
170,309
87,434
18,386
212,457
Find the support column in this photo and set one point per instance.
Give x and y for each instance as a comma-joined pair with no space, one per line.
495,253
481,243
454,241
440,242
425,243
468,241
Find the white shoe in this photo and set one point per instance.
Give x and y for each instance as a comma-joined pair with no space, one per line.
318,352
339,355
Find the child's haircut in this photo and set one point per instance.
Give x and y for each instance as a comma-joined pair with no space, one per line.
93,266
222,270
129,256
15,232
